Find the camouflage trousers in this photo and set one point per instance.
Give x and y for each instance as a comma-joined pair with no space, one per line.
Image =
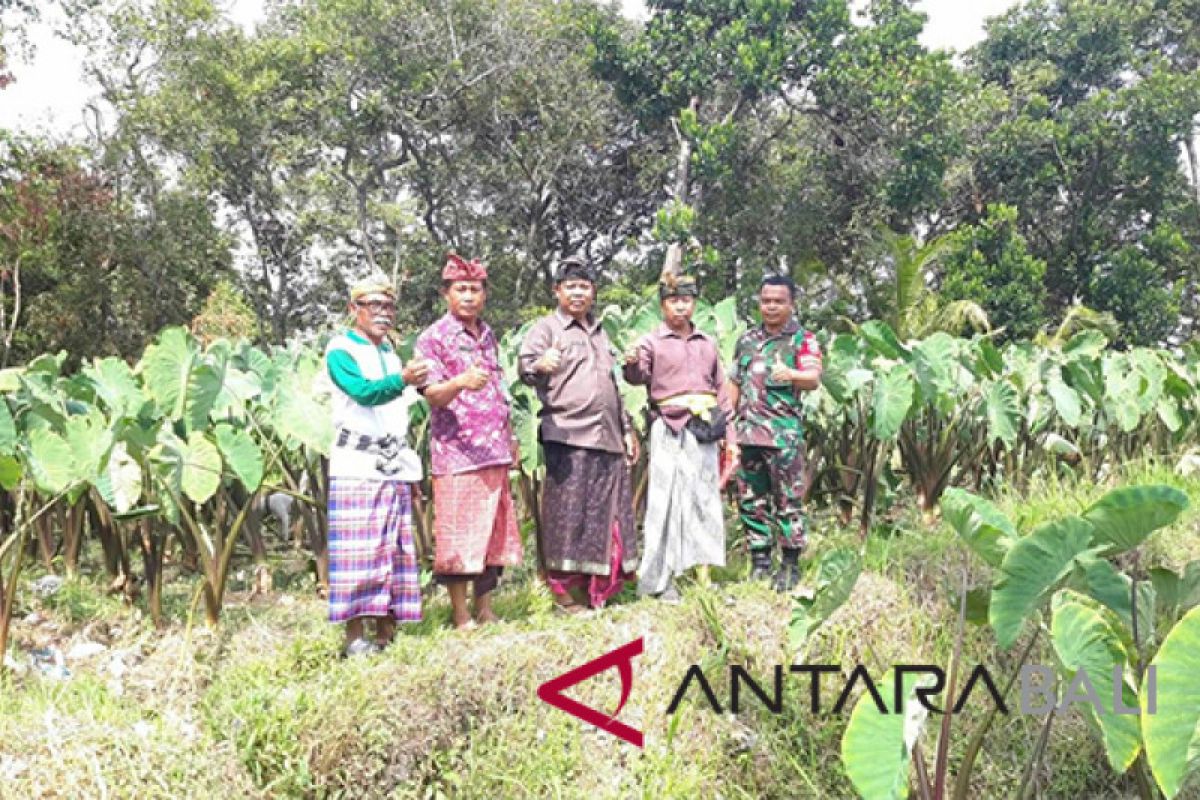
770,486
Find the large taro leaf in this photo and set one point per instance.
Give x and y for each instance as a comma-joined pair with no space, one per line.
1066,400
883,340
979,523
116,386
891,401
1086,344
166,367
837,573
1122,391
121,483
1032,570
937,370
1104,583
1003,408
51,462
1124,517
191,468
1085,639
1172,733
877,748
241,454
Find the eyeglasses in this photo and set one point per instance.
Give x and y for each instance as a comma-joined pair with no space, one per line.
377,306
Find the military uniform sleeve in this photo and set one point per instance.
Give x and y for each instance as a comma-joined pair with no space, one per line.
345,374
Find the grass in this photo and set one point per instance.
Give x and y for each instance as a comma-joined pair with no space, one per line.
263,706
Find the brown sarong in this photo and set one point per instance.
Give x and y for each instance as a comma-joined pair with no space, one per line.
587,518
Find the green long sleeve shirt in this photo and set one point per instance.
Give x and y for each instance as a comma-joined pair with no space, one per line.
344,372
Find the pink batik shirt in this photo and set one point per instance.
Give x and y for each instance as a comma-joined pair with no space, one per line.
473,431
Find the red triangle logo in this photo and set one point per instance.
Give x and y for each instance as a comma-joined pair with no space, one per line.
622,658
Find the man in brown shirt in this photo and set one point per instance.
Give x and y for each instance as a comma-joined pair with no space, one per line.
588,540
681,369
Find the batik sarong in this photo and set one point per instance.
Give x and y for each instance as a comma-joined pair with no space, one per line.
684,523
372,562
588,536
474,523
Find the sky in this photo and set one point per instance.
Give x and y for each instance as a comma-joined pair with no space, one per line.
50,90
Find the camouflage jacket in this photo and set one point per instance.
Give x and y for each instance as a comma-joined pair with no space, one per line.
768,413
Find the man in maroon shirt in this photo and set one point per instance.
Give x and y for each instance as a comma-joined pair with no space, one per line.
681,370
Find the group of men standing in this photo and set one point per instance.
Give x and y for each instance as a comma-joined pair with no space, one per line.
588,542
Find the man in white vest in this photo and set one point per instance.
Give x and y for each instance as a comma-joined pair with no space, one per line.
372,562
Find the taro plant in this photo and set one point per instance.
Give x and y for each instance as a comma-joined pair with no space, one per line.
1060,581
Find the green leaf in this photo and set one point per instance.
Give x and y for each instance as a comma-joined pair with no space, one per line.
877,748
892,399
203,388
1086,344
979,523
1172,733
1124,517
1003,412
201,475
242,455
1032,570
883,339
1105,584
8,429
837,573
50,461
116,386
1066,400
10,472
121,485
1084,640
166,368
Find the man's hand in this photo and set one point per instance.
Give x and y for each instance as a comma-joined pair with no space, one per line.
551,360
415,371
632,355
475,378
633,448
780,373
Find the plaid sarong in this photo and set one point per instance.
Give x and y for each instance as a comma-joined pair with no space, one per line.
474,524
372,561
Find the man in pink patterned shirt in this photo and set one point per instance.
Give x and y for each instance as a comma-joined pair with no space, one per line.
471,446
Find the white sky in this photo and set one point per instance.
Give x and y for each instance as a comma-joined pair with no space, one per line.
50,91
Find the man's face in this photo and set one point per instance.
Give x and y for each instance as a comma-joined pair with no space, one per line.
466,299
575,296
374,314
775,305
677,310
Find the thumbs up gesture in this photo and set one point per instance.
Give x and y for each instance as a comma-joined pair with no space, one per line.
415,371
551,360
780,372
631,354
475,378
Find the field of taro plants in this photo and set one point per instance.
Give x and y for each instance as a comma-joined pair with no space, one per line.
175,455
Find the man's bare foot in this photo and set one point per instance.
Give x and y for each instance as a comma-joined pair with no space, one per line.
485,616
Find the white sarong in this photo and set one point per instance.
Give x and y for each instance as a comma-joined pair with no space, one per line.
684,524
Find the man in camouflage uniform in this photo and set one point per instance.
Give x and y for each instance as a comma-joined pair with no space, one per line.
773,363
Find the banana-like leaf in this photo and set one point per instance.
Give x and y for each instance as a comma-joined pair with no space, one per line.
877,748
980,524
1085,640
1032,570
1123,518
1172,733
